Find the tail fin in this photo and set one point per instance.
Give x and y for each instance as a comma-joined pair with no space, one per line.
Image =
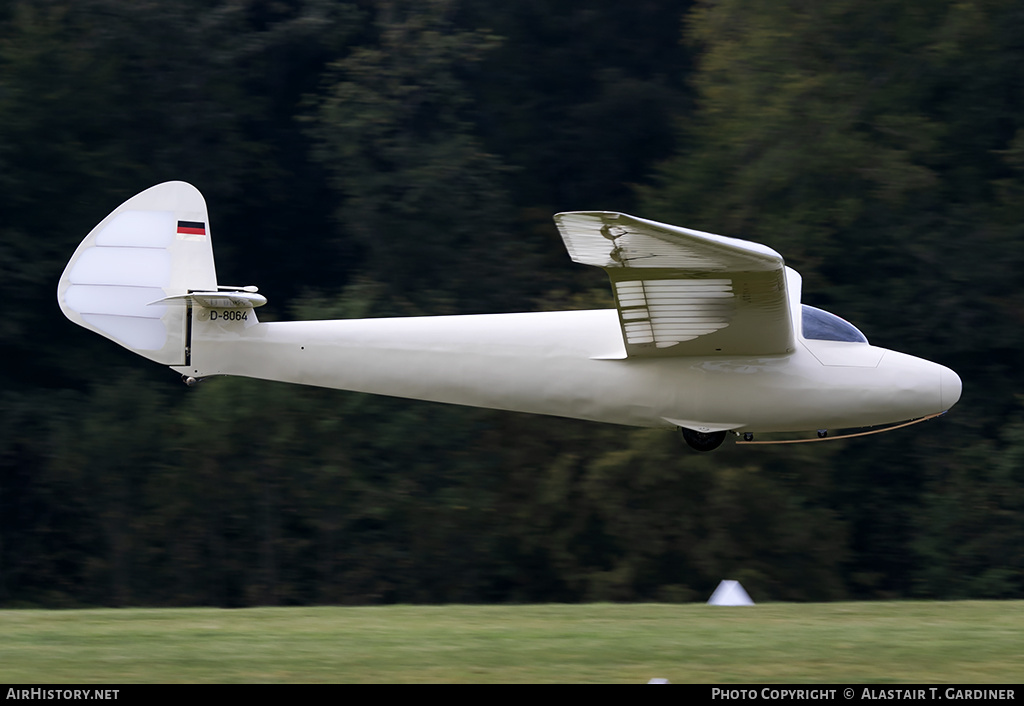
127,276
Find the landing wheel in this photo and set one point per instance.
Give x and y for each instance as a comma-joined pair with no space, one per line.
701,440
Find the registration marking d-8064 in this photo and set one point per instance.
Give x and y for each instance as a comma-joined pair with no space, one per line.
229,315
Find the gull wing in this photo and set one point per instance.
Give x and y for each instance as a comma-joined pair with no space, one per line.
681,292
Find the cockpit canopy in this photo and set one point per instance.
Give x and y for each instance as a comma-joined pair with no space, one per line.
819,325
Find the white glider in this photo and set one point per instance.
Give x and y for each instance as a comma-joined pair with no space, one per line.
709,334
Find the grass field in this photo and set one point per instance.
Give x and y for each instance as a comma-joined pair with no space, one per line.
922,642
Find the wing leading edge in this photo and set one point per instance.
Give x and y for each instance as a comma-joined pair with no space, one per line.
681,292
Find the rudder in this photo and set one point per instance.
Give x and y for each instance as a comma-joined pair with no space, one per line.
154,246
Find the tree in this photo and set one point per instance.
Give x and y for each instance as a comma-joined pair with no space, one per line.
425,202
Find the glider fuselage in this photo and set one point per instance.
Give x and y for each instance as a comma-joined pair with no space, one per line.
573,364
709,332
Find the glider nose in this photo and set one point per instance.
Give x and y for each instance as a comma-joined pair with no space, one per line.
949,387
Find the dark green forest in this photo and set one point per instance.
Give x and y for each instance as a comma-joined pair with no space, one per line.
399,157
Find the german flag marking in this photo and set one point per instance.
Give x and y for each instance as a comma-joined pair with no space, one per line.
192,227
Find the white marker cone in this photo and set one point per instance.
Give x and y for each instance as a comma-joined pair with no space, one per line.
730,593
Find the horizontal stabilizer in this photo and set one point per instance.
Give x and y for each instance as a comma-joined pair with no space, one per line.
216,300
